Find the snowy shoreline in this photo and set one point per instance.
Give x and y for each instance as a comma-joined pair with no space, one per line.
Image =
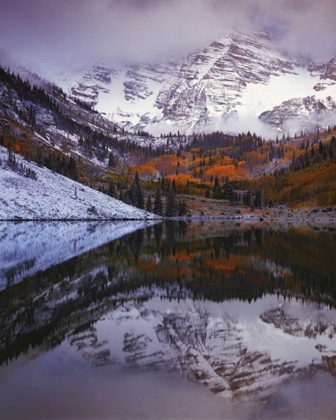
300,219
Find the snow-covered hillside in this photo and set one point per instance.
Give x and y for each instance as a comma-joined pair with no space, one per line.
228,84
53,197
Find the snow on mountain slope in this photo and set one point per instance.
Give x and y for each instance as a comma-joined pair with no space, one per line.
284,104
209,84
308,113
258,98
237,77
124,95
86,85
52,196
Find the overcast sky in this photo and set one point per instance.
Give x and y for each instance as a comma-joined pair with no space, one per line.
51,35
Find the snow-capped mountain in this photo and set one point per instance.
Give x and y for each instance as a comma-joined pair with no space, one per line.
235,78
210,84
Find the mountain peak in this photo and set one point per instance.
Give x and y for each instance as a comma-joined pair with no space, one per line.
236,76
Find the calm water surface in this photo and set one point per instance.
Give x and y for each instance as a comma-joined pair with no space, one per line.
174,321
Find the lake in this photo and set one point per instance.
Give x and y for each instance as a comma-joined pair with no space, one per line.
180,320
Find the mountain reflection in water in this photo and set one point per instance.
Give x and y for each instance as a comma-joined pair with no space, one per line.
238,309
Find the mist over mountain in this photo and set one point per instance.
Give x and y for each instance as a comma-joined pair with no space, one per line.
238,82
155,65
45,36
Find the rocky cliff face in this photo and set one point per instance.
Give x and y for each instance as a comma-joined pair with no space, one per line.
325,71
139,78
236,76
125,94
307,113
92,83
210,83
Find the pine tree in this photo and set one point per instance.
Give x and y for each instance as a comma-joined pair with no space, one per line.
163,184
227,190
149,205
258,200
171,205
112,160
71,171
234,198
158,207
182,207
136,194
216,189
247,200
112,191
121,195
11,158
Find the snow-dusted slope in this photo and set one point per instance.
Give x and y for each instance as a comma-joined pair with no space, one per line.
38,110
52,196
236,78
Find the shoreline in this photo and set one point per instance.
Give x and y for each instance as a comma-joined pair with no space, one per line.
261,216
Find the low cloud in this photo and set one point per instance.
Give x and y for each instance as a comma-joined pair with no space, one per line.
51,36
234,125
243,124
